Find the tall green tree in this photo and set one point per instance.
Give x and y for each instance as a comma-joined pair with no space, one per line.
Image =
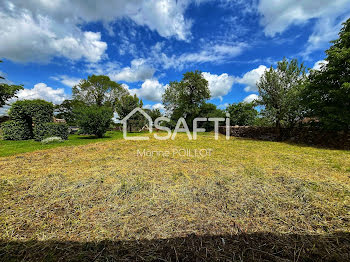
184,98
94,120
280,90
7,91
125,105
99,90
242,114
209,110
66,110
327,94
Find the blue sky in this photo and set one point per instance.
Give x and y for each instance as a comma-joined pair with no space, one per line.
48,45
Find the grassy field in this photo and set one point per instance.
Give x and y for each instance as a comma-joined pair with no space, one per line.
249,200
9,148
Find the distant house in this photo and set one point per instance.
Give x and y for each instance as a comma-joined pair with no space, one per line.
58,120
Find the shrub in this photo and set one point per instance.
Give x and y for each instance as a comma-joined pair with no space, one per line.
33,111
52,140
94,120
16,130
45,130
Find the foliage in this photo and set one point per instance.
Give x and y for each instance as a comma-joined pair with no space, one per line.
125,105
8,91
208,110
242,114
52,140
98,90
26,114
32,111
94,120
66,110
16,130
184,98
153,113
327,94
44,130
280,90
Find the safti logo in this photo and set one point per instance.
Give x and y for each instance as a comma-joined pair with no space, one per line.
181,122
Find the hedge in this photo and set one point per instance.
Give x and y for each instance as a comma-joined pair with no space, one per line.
45,130
35,111
16,130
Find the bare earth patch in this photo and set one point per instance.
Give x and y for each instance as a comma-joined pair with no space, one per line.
249,200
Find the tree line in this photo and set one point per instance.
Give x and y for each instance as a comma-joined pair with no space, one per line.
287,96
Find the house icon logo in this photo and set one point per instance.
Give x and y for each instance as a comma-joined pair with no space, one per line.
125,124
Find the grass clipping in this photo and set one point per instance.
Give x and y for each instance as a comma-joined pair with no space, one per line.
249,200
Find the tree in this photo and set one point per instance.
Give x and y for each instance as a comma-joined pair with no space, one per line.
94,120
242,114
280,90
153,113
327,94
8,91
66,110
208,110
125,105
184,98
99,90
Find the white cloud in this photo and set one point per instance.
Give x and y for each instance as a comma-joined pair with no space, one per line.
67,80
150,90
37,31
318,64
214,53
219,85
325,30
26,37
251,98
155,106
278,15
42,91
251,78
138,71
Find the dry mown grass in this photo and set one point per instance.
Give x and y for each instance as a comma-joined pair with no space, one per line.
249,200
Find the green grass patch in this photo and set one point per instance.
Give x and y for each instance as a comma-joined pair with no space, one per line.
9,148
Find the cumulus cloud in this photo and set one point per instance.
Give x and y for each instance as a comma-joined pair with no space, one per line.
319,64
138,71
219,85
26,37
42,91
251,78
156,106
251,98
67,80
150,90
37,31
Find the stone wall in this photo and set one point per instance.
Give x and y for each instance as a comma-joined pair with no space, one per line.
303,135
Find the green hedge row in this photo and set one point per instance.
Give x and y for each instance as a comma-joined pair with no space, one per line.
45,130
16,130
35,111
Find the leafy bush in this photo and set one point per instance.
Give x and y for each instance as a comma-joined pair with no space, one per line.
94,120
16,130
52,140
33,111
45,130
